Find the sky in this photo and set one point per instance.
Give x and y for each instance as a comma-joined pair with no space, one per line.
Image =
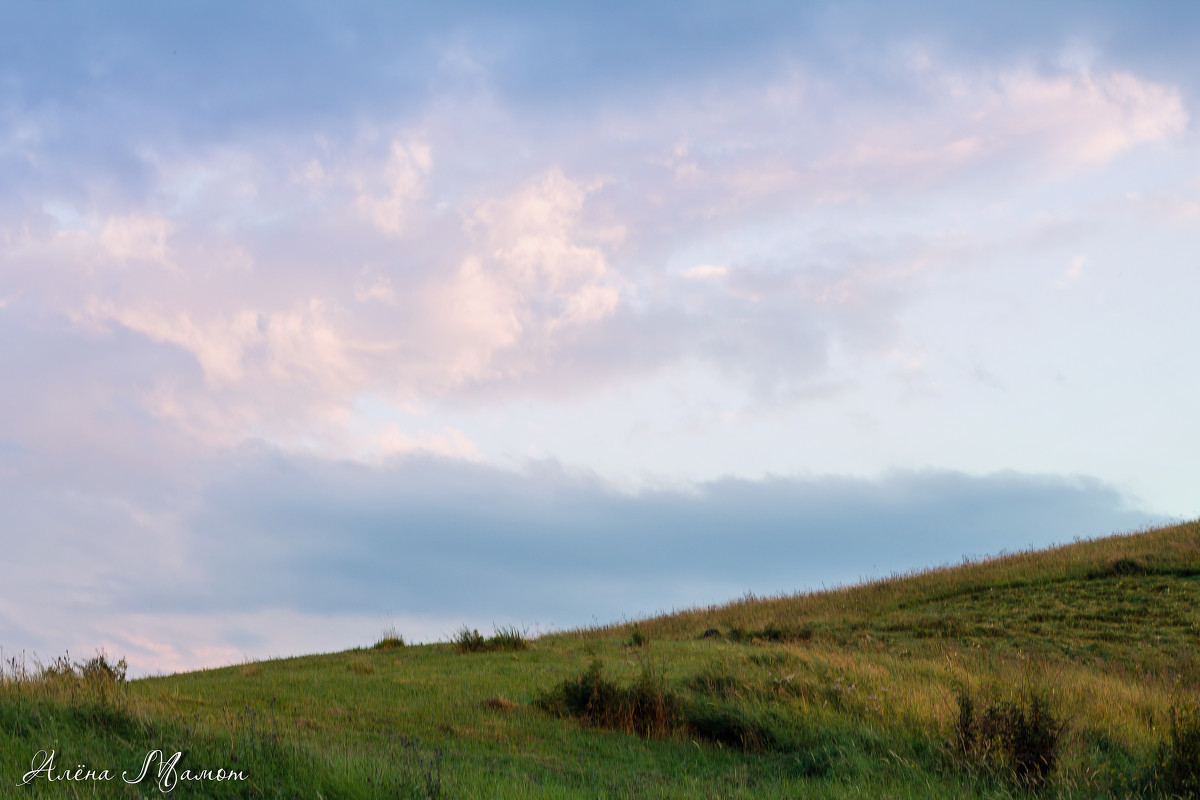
320,319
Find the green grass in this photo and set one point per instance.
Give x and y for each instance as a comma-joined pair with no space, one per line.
849,693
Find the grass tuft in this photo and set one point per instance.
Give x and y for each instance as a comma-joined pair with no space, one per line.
1176,769
1021,738
470,640
390,640
771,632
507,639
647,707
499,703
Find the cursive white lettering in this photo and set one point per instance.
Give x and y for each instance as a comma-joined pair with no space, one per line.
46,766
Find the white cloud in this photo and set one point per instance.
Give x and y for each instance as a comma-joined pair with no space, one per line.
1073,274
702,272
387,199
536,271
390,440
1069,119
380,291
217,346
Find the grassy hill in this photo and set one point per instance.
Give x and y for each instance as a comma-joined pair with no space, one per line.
1071,672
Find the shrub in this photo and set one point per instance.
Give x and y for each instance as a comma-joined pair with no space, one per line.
1023,738
638,639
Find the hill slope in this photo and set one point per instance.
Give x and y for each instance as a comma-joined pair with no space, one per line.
1054,672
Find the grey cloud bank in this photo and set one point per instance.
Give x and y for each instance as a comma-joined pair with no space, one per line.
274,541
437,534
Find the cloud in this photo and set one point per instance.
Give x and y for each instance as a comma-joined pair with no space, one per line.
137,238
1073,274
306,268
702,272
386,200
426,532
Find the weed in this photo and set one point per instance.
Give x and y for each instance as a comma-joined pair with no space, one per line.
638,639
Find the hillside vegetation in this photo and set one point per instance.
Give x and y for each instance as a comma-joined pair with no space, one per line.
1071,672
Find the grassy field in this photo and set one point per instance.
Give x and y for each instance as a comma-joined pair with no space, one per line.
1071,672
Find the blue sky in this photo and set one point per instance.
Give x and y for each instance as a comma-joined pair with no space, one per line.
320,318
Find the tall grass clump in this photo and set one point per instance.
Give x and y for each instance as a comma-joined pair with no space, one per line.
508,638
390,640
647,707
650,707
1176,769
1021,739
470,640
97,680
